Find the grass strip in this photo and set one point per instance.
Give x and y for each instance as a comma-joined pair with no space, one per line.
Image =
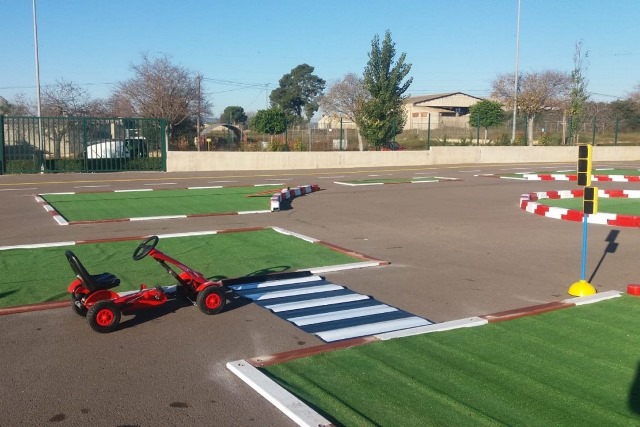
135,204
614,205
39,275
577,366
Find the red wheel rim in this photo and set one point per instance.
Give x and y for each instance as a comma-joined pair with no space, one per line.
212,300
104,317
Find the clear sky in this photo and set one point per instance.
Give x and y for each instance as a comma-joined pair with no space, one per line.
244,48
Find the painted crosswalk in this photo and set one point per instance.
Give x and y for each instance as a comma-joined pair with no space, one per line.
322,308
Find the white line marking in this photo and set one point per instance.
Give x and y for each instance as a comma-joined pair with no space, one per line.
161,183
277,308
291,406
133,191
37,246
147,218
372,328
271,283
298,235
261,296
342,315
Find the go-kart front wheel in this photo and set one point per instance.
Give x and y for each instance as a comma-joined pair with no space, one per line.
211,300
104,316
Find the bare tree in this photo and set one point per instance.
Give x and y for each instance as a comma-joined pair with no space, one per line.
578,95
635,94
537,92
345,98
160,90
65,99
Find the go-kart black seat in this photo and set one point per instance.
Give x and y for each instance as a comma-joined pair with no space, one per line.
93,282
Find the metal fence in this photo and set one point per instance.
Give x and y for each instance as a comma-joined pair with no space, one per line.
81,144
547,129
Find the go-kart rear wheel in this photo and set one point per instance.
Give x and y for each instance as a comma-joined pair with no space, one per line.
104,316
211,300
77,306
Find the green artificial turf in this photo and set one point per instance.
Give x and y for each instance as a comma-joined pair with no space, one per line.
572,367
136,204
43,274
626,172
613,205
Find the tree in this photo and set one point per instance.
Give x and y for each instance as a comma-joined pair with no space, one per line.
537,92
627,111
578,96
382,116
161,90
20,106
272,121
486,114
298,93
65,99
635,94
234,115
345,98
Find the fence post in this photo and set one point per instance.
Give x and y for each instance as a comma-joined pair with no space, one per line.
478,130
615,138
428,131
164,137
593,137
570,130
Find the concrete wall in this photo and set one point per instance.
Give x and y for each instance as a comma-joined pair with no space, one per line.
186,161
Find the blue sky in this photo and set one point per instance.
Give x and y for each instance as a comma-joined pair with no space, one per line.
244,48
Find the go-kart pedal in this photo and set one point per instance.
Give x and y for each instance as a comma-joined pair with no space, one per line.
159,292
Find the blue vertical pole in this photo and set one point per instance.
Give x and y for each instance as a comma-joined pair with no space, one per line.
584,247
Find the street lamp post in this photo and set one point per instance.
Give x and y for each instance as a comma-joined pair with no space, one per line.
515,85
38,103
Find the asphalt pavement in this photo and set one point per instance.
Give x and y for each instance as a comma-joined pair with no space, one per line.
457,248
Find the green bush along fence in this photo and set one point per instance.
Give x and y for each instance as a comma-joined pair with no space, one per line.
81,144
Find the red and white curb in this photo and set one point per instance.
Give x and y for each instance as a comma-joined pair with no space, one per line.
574,177
529,203
249,372
290,193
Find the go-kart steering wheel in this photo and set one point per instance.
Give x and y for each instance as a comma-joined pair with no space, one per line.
145,247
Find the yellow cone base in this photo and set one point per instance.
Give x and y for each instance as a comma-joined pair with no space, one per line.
581,288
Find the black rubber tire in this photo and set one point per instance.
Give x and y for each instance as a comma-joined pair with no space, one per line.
104,317
211,300
80,311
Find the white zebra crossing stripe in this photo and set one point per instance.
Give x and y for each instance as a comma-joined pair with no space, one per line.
260,296
288,306
372,329
271,283
341,315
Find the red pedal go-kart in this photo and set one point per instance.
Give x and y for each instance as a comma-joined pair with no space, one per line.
91,294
